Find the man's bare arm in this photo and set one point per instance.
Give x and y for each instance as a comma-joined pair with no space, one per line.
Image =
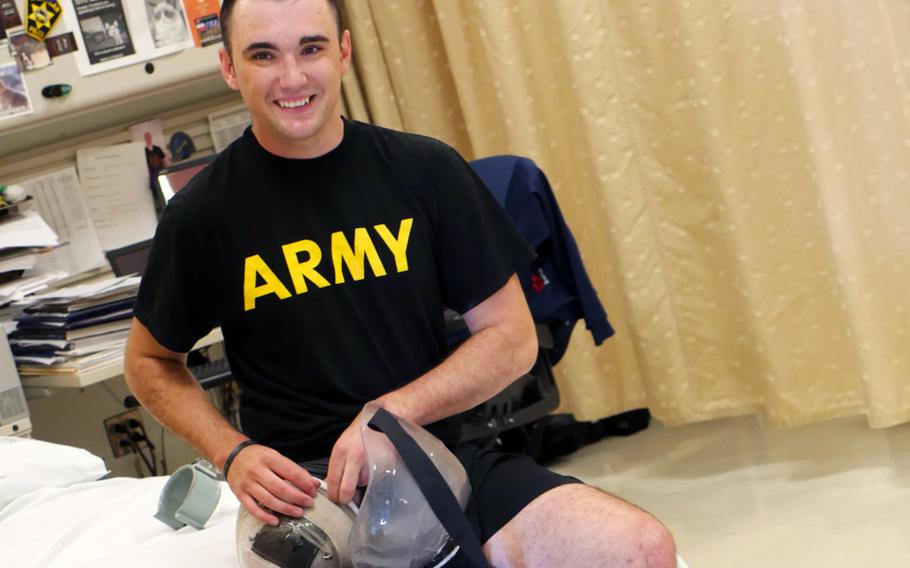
159,378
161,381
502,347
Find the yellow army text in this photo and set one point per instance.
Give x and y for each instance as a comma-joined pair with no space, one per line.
303,257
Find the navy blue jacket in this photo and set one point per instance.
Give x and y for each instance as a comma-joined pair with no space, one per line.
556,284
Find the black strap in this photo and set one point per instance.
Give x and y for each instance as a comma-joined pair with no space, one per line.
433,486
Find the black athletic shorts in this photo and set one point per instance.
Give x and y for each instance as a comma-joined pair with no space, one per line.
502,485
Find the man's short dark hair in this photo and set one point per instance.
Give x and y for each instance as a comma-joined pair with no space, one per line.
227,7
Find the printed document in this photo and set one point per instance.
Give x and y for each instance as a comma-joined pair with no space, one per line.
60,203
115,184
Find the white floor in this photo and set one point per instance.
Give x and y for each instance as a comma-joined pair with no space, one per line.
737,493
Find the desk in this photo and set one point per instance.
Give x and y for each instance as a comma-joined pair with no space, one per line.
109,371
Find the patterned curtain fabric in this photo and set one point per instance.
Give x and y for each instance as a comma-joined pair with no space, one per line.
735,173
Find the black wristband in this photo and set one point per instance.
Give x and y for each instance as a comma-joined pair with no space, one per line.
233,454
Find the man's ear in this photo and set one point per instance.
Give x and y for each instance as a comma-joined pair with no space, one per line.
227,69
345,46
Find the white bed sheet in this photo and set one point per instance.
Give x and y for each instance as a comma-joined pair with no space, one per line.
110,523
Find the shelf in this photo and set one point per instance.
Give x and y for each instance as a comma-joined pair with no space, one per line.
100,374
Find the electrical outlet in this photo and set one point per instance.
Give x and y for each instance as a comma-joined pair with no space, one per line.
123,419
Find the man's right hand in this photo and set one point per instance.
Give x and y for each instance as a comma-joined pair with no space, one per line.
262,478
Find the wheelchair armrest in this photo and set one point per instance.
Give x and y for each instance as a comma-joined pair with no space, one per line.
529,398
455,325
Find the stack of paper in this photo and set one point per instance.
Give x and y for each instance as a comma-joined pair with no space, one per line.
17,290
74,329
21,237
26,230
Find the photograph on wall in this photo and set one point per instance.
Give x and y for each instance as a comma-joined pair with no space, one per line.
157,157
151,134
29,53
60,44
204,21
167,22
9,18
104,29
14,99
9,15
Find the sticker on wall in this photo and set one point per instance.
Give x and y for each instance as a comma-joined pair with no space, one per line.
60,44
40,17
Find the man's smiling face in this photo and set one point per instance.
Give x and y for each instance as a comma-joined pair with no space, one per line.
287,61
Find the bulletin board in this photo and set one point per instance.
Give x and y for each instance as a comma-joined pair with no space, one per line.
150,72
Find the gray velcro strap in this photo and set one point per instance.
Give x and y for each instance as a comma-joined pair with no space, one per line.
190,496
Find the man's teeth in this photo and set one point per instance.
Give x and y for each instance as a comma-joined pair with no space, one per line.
294,104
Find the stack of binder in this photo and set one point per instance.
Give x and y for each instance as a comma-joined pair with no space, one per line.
74,329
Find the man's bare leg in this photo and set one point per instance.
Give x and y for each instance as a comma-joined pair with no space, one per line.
577,525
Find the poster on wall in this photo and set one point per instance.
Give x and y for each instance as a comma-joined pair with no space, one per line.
113,33
14,99
204,21
103,28
167,22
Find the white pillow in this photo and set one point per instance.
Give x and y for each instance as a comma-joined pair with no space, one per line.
27,465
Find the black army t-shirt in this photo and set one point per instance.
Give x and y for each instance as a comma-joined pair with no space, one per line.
328,276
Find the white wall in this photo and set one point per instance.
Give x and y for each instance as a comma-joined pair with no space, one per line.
127,95
74,417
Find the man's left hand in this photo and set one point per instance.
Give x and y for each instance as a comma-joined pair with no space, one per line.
348,466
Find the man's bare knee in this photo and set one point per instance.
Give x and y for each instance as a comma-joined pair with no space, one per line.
584,526
648,541
655,542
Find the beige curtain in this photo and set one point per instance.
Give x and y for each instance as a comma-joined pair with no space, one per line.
735,173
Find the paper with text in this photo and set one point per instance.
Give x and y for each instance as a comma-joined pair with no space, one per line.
115,184
60,203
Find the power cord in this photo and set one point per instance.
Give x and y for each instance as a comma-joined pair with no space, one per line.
137,433
164,470
130,442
